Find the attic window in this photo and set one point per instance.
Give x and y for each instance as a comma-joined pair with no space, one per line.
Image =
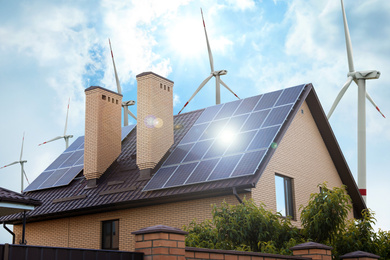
104,97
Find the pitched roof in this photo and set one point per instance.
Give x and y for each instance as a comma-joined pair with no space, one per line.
120,186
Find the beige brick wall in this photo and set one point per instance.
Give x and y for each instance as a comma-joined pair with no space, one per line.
102,131
302,156
155,102
85,231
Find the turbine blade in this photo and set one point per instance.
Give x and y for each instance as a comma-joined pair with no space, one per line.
339,96
131,114
25,175
116,74
66,121
347,40
223,83
196,92
51,140
21,151
9,165
373,103
208,44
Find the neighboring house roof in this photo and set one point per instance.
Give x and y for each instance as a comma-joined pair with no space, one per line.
12,202
120,186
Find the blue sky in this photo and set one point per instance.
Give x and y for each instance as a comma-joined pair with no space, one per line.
51,51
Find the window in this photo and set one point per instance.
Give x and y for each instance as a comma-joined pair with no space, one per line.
284,198
110,234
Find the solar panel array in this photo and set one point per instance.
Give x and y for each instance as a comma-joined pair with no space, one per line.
67,166
227,141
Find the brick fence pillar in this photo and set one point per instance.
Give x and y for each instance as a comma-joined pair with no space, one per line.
161,242
313,250
359,255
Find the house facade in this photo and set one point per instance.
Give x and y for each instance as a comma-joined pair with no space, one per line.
169,169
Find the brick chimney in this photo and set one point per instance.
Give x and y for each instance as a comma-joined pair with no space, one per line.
154,120
102,141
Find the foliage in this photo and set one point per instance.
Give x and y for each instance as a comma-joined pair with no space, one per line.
326,213
359,235
202,235
382,241
245,227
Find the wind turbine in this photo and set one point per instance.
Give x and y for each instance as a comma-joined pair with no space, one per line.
125,104
217,74
359,77
22,162
65,136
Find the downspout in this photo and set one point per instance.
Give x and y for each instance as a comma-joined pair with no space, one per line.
235,194
9,230
24,228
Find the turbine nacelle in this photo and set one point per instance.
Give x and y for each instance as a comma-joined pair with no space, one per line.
367,74
128,103
219,73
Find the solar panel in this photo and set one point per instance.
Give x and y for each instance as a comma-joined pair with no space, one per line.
202,171
181,175
247,105
194,133
227,141
214,129
67,166
225,167
228,109
198,151
268,100
208,114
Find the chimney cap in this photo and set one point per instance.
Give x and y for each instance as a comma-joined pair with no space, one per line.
97,87
149,72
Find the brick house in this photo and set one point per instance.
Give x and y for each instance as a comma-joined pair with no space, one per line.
169,169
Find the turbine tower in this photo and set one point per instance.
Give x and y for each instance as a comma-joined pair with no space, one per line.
22,162
217,74
125,104
359,77
65,136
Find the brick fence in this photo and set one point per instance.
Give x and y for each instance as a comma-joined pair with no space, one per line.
167,243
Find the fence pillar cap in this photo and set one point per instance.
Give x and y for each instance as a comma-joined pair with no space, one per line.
160,229
359,254
311,245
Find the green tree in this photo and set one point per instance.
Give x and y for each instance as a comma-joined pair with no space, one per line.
324,217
